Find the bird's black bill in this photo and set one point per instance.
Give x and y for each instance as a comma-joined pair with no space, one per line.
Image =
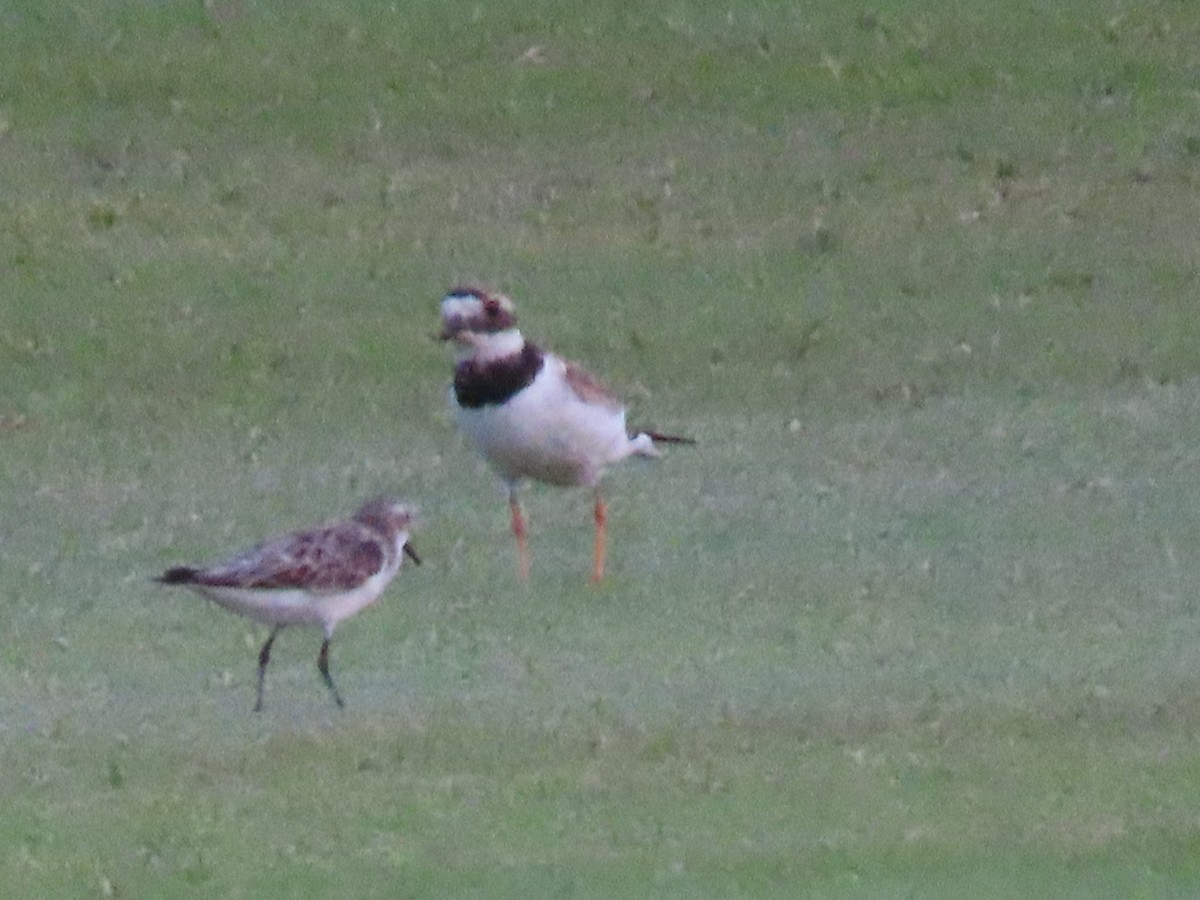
411,553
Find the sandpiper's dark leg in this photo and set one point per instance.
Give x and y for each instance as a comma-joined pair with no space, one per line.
264,657
323,668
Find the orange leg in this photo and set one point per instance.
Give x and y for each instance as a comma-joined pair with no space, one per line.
518,529
601,515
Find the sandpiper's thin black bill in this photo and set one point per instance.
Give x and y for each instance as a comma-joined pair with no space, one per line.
411,553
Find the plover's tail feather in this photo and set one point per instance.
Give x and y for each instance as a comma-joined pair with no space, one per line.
659,438
643,442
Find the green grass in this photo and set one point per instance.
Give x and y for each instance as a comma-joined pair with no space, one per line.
914,619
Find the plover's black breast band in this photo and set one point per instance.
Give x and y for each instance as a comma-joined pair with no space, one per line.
493,382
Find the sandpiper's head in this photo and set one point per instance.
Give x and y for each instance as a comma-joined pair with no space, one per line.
391,518
470,314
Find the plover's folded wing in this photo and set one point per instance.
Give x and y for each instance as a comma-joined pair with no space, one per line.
590,389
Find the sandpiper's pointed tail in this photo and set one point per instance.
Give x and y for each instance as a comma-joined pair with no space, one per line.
178,575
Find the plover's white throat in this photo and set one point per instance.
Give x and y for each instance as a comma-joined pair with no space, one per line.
317,576
532,414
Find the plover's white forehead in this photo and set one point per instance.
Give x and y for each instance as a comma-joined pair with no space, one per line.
467,302
461,306
468,310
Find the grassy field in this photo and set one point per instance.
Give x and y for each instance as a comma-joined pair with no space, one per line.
917,616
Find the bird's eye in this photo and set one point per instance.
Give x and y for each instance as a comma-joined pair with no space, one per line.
491,308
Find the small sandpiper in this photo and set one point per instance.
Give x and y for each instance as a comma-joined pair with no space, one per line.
317,576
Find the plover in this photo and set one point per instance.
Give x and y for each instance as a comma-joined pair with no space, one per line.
532,414
317,576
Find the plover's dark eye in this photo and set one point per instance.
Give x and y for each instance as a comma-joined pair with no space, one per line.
492,308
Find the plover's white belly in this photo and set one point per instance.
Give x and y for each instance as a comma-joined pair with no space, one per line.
547,433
